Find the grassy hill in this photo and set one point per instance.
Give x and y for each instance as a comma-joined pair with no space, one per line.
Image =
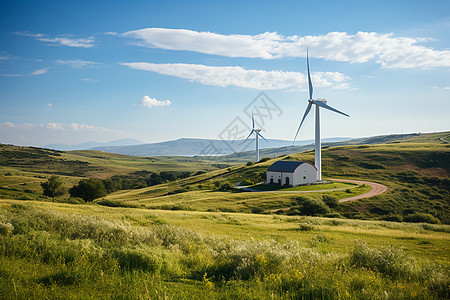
415,172
198,238
415,168
22,169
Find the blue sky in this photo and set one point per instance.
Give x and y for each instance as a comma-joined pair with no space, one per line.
74,71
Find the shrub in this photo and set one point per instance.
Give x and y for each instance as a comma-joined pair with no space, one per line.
72,200
306,227
264,159
257,210
393,218
138,259
225,187
313,207
250,163
6,229
421,218
330,200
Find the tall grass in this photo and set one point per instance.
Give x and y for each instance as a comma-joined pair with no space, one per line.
72,256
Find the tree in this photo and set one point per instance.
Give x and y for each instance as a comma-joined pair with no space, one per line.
88,189
53,187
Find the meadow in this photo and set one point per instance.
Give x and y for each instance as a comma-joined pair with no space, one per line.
199,237
53,250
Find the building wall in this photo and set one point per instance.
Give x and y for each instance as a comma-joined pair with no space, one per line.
304,174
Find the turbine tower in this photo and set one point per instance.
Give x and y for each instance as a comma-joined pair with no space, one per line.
257,134
318,103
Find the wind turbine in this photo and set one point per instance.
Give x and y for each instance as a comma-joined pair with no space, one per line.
318,103
257,134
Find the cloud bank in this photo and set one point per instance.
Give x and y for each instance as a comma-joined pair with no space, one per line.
384,49
152,102
240,77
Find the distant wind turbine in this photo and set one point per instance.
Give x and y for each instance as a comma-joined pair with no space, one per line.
257,134
319,103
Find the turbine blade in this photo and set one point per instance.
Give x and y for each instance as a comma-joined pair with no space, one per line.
248,137
309,76
261,136
308,108
253,121
321,104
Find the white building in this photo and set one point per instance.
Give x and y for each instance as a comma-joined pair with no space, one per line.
285,172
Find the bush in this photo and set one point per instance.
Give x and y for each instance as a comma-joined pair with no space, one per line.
306,227
138,259
225,187
72,200
250,163
421,218
313,207
6,229
393,218
257,210
264,159
330,200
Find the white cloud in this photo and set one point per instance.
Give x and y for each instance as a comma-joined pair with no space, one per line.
49,105
55,126
385,49
111,33
61,40
240,77
52,132
7,124
11,75
447,88
76,63
152,102
39,72
90,80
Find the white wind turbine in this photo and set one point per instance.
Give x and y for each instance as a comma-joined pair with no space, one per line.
257,134
319,103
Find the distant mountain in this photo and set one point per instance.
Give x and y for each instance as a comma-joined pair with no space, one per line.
193,147
92,144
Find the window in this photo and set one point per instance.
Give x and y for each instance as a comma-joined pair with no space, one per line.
304,177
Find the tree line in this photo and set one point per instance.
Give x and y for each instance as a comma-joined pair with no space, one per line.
92,188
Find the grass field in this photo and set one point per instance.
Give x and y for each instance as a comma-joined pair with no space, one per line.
199,238
52,250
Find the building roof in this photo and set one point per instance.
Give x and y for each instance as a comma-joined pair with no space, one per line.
287,166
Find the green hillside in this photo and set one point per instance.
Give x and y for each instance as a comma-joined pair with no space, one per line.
200,238
415,172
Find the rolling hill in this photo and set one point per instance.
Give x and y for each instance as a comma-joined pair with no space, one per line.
192,147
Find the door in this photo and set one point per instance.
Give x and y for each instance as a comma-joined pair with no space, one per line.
287,181
271,180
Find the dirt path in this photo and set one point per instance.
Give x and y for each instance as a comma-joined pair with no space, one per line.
377,189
